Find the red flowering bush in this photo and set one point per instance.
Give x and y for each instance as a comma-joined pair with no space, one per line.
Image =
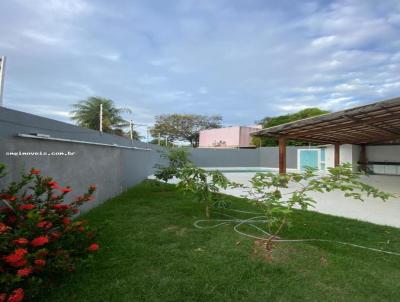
39,238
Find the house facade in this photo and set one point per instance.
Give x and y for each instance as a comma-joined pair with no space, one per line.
228,137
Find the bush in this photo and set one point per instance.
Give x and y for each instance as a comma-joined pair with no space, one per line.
205,185
39,239
178,158
279,194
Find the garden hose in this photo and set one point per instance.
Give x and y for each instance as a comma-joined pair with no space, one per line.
252,221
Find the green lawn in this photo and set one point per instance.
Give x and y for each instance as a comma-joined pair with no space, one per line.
151,252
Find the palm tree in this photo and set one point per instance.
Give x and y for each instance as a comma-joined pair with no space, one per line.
87,114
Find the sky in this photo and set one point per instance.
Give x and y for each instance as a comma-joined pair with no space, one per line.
244,60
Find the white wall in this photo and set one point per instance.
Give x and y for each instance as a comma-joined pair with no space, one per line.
383,153
348,154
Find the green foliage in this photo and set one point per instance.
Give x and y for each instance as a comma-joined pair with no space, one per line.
283,119
279,194
177,159
183,127
87,114
38,238
162,142
203,184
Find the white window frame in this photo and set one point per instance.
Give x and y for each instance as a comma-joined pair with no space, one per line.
309,149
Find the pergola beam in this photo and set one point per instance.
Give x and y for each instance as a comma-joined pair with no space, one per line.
359,121
337,155
282,154
336,125
363,157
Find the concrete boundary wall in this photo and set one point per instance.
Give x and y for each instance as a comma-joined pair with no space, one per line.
111,168
260,157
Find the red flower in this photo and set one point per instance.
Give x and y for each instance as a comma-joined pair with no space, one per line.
45,224
61,207
3,297
16,296
66,190
92,187
21,241
53,184
39,241
35,171
19,263
15,257
24,272
28,206
8,197
40,262
54,197
3,228
93,247
66,221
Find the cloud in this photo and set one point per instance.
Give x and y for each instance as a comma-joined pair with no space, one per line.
40,37
111,56
242,59
59,8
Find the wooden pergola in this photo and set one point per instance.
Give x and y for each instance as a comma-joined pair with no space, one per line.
370,124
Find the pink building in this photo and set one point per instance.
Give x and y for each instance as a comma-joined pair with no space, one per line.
230,137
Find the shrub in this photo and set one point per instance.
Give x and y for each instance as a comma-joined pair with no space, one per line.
279,194
39,238
177,158
203,184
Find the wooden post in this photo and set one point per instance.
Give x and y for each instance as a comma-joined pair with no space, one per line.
282,155
363,157
337,154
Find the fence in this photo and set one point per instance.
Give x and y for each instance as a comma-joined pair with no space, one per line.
76,156
260,157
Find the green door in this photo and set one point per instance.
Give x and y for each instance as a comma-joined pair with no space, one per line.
308,158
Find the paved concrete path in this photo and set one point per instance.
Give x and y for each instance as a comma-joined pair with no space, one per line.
334,203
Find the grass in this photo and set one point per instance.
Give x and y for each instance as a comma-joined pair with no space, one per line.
151,252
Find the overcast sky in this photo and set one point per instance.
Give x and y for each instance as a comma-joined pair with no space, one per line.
242,59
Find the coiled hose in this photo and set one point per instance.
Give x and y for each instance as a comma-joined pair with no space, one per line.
252,221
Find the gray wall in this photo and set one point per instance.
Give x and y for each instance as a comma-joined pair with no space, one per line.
269,157
260,157
112,169
204,157
390,153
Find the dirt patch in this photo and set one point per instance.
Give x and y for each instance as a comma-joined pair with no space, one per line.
281,252
289,252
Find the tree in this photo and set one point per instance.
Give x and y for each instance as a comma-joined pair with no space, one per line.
184,127
87,114
162,143
135,135
268,122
